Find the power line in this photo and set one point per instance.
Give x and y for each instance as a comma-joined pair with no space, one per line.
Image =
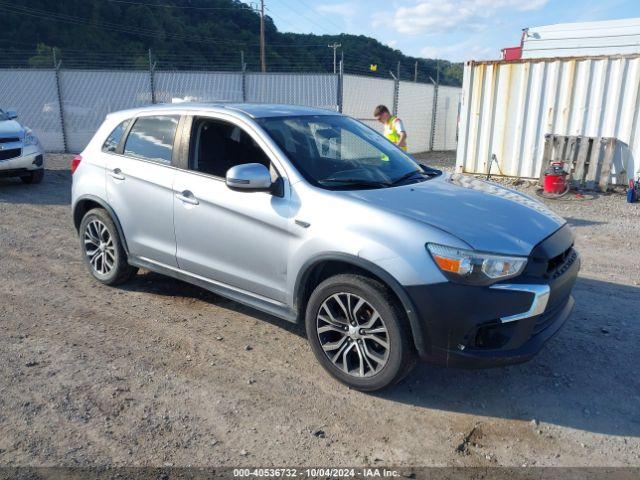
280,19
164,5
326,15
48,15
301,14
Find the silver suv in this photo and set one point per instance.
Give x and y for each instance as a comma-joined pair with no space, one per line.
313,217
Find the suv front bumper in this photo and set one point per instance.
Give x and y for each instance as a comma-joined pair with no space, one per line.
31,158
506,323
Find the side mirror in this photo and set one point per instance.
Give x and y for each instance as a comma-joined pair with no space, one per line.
11,114
253,177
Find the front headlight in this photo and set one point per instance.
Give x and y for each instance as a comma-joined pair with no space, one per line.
475,268
29,138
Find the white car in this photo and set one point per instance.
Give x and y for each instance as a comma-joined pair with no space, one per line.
21,154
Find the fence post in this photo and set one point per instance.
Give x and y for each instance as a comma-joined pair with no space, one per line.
243,66
56,66
152,80
396,89
434,115
340,85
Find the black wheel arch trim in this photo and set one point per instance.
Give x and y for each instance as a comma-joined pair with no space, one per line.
417,329
110,211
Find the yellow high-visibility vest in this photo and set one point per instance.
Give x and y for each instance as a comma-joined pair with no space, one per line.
391,133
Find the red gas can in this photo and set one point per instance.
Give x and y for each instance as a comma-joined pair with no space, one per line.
555,179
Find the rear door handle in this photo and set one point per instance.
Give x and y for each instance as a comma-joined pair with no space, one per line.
187,197
117,174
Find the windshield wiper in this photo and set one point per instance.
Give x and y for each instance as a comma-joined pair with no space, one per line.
355,182
407,176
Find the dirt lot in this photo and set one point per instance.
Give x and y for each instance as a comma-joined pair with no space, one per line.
162,373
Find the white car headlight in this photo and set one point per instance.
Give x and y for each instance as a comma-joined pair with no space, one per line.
29,138
475,268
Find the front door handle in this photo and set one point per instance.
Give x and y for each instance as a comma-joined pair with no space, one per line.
187,197
117,174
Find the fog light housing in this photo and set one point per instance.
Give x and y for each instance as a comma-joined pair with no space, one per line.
38,161
491,336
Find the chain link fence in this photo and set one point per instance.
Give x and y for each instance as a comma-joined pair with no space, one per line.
445,131
415,108
361,94
66,106
34,95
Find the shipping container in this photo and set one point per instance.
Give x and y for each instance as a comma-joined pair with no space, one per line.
609,37
508,107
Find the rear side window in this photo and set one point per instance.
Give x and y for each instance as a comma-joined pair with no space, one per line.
113,140
151,138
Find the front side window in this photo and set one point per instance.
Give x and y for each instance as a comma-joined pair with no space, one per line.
151,138
113,140
217,146
337,152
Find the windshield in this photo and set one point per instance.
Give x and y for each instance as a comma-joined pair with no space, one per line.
337,152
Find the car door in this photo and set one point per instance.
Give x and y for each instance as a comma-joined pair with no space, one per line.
240,239
139,187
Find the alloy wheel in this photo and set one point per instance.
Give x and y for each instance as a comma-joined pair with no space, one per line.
353,335
99,247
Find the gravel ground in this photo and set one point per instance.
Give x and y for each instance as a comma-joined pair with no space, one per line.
158,372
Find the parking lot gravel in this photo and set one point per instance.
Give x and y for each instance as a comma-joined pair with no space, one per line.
161,373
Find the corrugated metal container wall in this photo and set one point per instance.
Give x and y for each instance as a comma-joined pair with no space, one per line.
609,37
508,107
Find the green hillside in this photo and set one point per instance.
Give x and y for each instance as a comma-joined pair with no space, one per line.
185,34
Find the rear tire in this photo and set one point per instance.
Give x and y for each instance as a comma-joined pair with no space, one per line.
34,177
102,250
359,333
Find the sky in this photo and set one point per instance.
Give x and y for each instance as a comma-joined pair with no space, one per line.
455,30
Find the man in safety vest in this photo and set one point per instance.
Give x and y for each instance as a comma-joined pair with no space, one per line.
393,126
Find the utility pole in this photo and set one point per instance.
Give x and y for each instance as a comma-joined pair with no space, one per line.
262,59
415,72
335,47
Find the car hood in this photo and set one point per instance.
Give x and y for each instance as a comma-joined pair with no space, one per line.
484,215
11,127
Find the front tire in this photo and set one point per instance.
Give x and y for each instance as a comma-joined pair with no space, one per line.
102,250
358,332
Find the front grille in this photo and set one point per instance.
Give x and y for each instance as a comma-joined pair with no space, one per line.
9,140
11,153
553,256
560,264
